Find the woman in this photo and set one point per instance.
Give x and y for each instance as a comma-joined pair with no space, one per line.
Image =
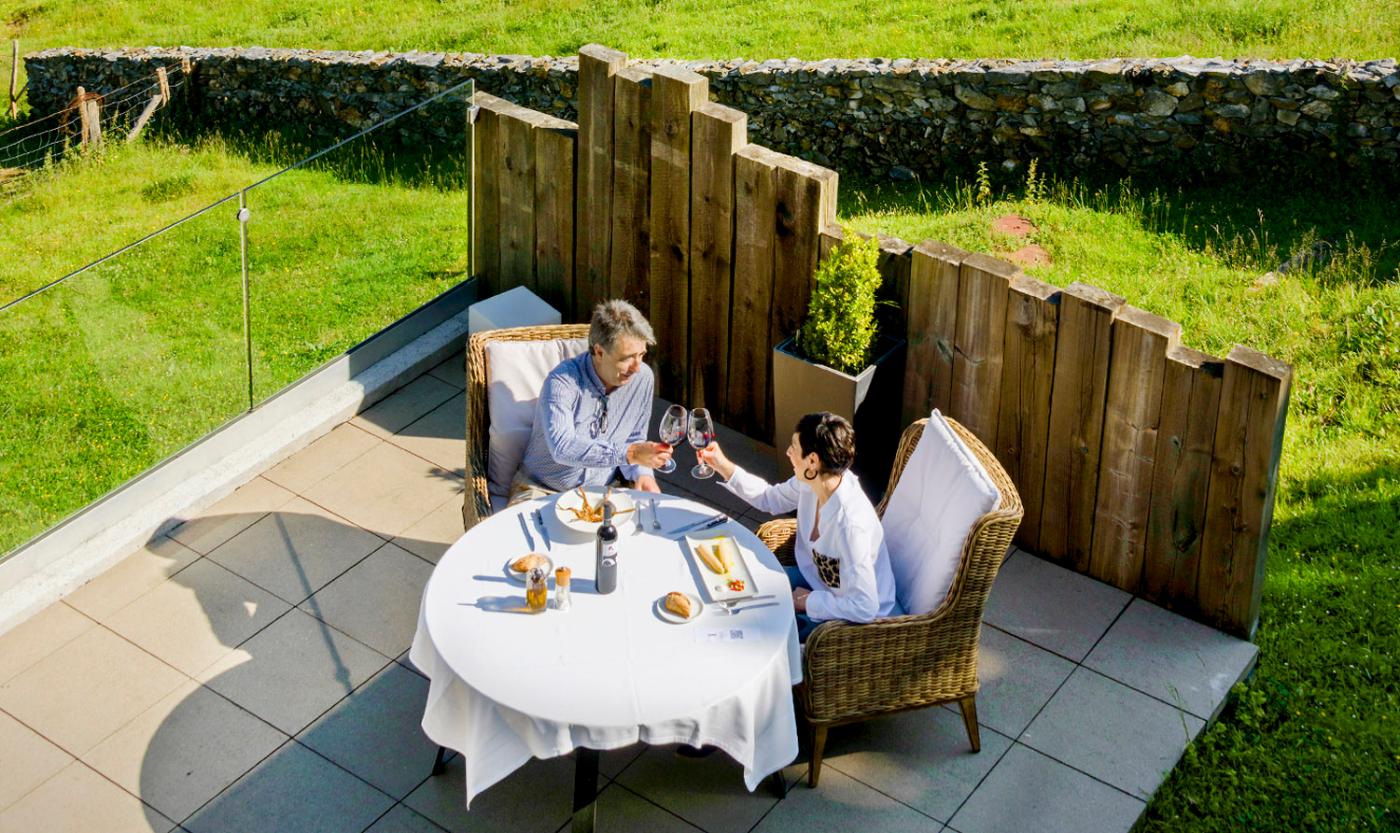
843,568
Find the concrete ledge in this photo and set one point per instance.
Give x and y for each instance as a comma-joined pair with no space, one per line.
181,486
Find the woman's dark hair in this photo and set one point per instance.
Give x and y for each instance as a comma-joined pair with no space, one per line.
830,437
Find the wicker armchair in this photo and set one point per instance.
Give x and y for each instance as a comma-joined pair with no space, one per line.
853,672
477,502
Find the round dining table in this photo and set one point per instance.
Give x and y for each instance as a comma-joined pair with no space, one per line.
508,685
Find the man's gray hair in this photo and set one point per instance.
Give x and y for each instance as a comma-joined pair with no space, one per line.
615,319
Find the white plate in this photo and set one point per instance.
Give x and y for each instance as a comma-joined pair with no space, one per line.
519,578
619,498
717,586
670,616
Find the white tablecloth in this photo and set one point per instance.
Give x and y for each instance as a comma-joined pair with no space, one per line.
507,686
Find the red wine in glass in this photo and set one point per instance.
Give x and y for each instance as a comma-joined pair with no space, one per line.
672,432
701,433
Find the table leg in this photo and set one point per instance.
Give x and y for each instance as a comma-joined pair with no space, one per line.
585,789
778,784
440,763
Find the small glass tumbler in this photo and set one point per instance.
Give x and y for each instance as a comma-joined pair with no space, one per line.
536,593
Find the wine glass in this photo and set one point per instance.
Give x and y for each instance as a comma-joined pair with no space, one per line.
701,432
672,432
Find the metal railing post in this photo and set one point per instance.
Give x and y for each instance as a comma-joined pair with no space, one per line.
243,214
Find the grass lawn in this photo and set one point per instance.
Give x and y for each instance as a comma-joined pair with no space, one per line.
1314,742
130,361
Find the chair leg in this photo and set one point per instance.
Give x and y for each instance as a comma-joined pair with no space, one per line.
969,712
818,743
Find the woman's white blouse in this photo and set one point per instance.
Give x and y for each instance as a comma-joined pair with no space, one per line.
850,534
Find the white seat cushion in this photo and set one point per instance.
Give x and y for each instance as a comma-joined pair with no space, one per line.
515,373
941,493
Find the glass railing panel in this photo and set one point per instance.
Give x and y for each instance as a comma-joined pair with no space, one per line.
115,368
346,244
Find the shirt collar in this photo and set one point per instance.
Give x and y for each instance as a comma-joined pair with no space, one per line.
590,374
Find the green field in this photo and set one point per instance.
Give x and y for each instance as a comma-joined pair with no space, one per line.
1313,744
111,371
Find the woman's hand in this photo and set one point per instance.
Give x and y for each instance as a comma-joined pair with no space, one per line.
799,599
713,456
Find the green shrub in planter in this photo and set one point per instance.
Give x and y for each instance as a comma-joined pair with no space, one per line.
840,325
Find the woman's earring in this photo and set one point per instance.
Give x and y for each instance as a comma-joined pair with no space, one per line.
809,474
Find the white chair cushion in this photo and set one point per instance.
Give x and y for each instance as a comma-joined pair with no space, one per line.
940,495
515,373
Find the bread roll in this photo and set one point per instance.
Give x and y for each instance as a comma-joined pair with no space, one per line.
679,604
524,563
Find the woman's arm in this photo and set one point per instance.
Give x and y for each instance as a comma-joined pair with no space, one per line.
859,597
762,495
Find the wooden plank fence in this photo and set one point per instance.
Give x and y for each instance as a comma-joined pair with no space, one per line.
1140,462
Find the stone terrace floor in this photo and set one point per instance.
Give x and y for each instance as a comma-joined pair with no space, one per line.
249,672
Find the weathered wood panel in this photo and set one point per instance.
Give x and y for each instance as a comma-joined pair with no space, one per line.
1027,374
517,195
977,349
932,325
1132,413
748,403
486,199
631,198
596,67
675,94
1180,477
555,144
1076,424
1243,477
717,133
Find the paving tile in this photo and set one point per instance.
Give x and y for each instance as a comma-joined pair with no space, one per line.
1172,658
139,572
1027,790
294,789
452,370
197,617
30,760
536,797
38,636
231,515
87,689
707,792
430,537
612,762
375,732
78,800
386,490
1017,679
184,750
377,600
322,457
403,820
403,659
840,804
921,758
296,550
1110,731
439,436
621,809
404,405
293,671
1051,606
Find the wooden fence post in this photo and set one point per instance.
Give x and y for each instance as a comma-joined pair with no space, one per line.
1180,476
977,354
717,133
1076,424
555,143
675,94
593,220
1243,477
14,78
517,194
160,98
933,319
747,400
1132,412
1027,374
486,167
631,190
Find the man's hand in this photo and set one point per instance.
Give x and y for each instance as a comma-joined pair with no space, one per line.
650,455
647,483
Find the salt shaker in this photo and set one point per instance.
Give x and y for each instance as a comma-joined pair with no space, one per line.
562,580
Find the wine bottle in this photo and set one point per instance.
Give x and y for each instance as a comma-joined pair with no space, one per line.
607,553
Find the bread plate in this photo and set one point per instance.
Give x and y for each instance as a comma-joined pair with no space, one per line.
674,618
519,578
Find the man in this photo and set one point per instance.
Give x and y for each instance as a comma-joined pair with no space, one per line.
591,418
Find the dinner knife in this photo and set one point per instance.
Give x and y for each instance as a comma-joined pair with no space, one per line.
703,523
544,531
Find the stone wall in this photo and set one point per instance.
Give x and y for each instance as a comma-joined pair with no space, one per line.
1171,118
